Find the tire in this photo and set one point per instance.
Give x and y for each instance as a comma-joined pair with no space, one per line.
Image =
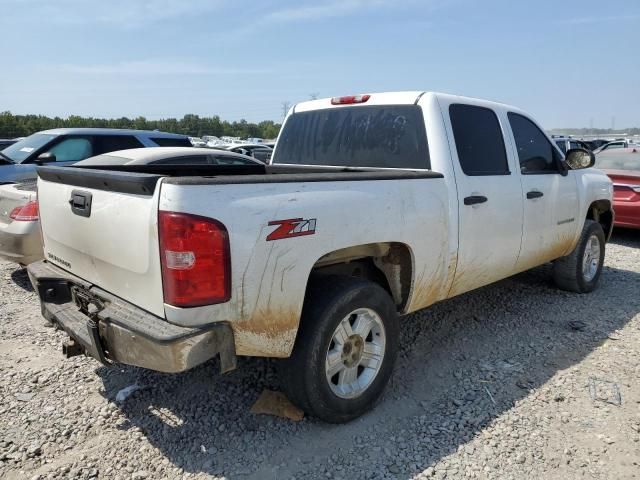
330,302
572,273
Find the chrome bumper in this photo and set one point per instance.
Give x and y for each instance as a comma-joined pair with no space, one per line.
109,329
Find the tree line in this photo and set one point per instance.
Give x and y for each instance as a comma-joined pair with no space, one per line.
12,126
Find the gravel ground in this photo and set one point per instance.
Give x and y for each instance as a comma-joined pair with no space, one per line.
496,383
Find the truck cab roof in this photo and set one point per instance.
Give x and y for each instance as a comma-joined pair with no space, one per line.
390,98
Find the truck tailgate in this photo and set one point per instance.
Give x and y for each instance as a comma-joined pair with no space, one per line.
102,227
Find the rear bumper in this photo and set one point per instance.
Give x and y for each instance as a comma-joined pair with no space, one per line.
20,242
112,330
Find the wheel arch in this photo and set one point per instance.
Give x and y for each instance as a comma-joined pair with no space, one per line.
389,264
601,211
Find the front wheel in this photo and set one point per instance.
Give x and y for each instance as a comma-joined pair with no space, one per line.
345,350
580,270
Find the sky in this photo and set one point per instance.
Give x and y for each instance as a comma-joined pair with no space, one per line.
570,63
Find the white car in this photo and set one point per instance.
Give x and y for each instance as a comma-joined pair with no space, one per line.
616,144
372,207
258,151
20,240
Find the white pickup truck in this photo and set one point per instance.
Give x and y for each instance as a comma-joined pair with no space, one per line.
373,206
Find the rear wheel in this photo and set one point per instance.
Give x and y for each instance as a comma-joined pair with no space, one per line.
580,270
345,350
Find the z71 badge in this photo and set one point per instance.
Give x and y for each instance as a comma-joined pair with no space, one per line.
293,227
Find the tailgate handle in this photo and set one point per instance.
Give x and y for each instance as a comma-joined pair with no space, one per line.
81,203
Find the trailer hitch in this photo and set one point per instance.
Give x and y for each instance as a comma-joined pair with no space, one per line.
71,348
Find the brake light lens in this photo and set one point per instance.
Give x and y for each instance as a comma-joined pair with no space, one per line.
195,259
25,213
350,99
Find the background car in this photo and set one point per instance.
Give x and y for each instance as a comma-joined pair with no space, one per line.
65,146
567,143
19,226
197,142
19,230
596,143
169,156
617,144
623,168
259,151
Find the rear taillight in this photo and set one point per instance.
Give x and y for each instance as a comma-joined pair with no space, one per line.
350,99
195,258
25,213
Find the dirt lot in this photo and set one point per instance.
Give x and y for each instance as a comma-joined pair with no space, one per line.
497,383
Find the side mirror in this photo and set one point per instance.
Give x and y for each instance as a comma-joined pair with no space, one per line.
45,158
577,158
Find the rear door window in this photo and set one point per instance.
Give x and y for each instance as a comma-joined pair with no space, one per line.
111,143
382,136
479,140
171,142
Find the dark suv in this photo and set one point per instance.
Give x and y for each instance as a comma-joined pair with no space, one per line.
65,146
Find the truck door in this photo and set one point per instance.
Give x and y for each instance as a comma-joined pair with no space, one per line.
489,196
550,225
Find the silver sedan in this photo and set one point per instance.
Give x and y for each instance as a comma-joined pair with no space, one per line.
19,226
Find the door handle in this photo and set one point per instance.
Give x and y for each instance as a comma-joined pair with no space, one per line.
474,199
534,194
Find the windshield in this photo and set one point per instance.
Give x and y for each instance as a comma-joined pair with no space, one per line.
20,151
387,136
618,161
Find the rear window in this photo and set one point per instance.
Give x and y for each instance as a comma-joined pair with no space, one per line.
172,142
384,136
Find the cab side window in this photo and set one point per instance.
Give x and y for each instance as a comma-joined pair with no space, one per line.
479,140
536,154
112,143
72,149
